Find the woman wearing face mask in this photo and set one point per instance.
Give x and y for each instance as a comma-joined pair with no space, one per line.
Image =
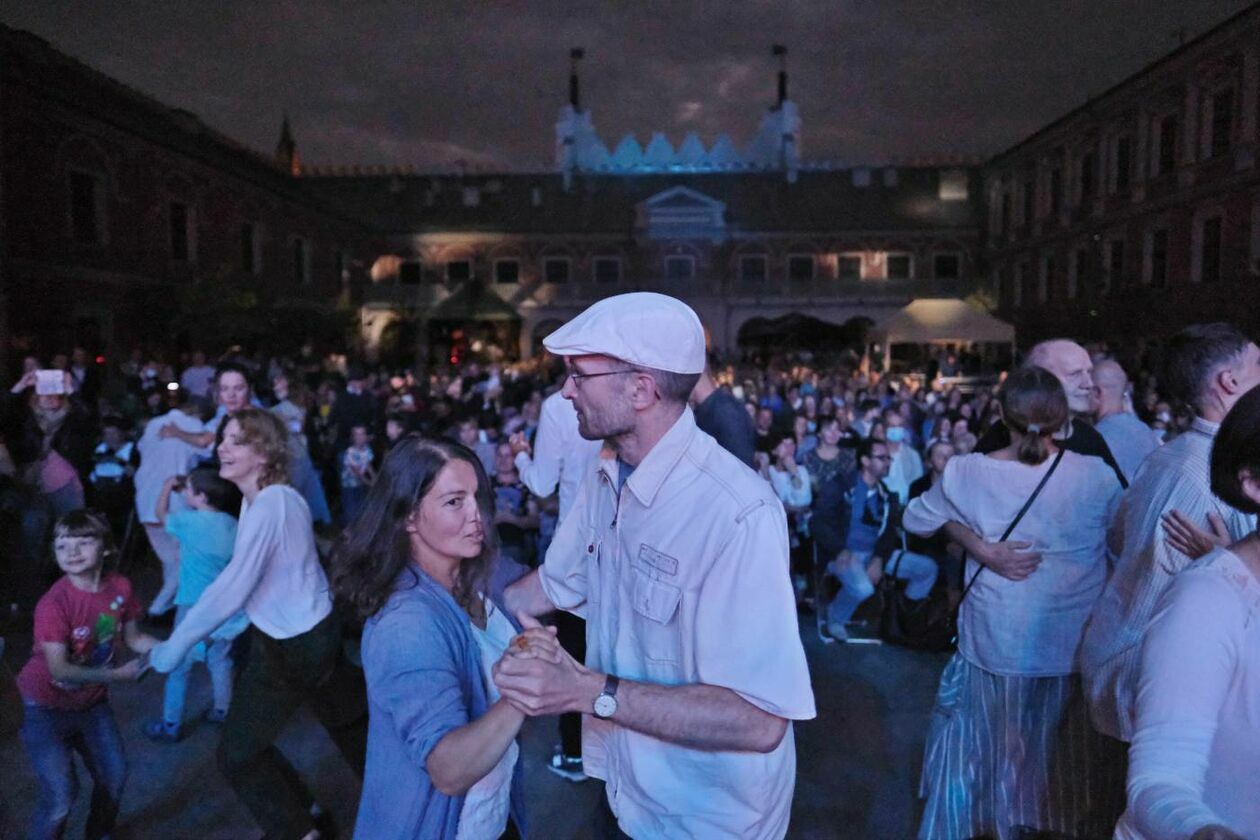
416,566
907,465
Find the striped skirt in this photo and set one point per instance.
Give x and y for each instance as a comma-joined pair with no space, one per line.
1008,757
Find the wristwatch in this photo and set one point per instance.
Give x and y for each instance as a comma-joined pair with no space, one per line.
606,702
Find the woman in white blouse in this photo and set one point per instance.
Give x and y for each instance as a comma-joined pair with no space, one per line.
1010,745
295,654
1195,755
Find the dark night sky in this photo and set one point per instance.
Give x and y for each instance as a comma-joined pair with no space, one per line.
428,82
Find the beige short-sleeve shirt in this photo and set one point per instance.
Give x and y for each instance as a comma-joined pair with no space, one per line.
683,578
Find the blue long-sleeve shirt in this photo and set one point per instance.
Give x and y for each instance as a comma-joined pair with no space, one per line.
424,679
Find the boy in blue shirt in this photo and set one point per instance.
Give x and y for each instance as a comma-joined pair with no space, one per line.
206,532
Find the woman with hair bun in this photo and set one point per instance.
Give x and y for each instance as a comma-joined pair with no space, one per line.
295,642
1010,746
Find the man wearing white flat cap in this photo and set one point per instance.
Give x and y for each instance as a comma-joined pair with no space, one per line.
676,554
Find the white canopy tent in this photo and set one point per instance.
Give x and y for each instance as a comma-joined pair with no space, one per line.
940,321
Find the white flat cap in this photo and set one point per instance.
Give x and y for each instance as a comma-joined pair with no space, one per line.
643,328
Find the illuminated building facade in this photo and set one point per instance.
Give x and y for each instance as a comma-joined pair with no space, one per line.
1130,216
743,236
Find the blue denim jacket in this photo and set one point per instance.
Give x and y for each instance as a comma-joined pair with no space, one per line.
424,679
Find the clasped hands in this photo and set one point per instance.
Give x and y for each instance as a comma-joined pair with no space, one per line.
537,677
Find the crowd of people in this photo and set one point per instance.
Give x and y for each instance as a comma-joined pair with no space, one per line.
1079,531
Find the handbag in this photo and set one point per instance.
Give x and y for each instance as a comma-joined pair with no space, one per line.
929,623
925,624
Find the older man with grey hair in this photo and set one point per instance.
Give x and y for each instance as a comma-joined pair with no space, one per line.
1129,439
1071,364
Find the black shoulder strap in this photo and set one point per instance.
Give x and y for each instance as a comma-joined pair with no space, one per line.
1011,528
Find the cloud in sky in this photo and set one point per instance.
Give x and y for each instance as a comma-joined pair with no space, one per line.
429,83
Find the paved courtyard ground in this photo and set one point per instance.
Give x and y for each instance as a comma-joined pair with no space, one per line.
858,762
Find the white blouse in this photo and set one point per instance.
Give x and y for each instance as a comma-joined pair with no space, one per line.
274,575
1195,755
793,489
487,803
1030,627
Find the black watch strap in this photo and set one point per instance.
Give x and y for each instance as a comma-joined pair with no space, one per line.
610,685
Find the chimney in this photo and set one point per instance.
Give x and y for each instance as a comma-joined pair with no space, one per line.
575,99
781,52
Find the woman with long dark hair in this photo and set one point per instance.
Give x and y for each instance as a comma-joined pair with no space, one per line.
415,567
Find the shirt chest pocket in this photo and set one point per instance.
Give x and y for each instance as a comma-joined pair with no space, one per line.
656,624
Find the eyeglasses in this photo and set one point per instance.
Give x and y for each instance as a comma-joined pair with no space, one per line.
578,378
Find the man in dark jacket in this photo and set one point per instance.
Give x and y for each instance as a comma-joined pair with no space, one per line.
356,405
723,417
856,525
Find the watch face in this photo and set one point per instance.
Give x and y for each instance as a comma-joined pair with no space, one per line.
605,706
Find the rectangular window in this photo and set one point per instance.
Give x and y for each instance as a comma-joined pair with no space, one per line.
1166,148
1210,255
180,233
1056,191
753,269
899,266
1088,164
410,273
459,271
339,266
1158,277
1021,277
85,208
556,269
1124,162
947,266
607,269
1045,283
680,268
1115,264
1222,122
301,260
953,185
801,268
1030,195
1078,273
1006,211
507,271
849,266
249,248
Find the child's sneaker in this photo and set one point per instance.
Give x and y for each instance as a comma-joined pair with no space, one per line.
162,732
215,715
